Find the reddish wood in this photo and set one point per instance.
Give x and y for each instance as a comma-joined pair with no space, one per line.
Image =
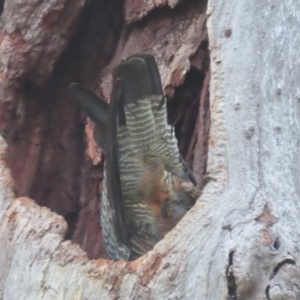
46,45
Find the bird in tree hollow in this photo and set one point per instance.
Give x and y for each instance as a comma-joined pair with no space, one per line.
147,188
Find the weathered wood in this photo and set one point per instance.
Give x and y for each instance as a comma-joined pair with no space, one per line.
241,240
44,47
254,140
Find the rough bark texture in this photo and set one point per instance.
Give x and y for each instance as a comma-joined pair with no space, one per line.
241,240
52,44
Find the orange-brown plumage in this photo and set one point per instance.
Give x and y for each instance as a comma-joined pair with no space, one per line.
147,188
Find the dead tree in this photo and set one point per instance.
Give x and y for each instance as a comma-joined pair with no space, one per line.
240,241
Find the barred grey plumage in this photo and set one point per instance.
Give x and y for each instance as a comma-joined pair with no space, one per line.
143,193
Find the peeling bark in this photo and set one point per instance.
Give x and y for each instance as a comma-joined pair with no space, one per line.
50,158
240,241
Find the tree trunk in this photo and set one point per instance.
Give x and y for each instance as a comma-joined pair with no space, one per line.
240,241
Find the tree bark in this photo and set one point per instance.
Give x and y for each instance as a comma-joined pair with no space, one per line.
50,45
240,241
